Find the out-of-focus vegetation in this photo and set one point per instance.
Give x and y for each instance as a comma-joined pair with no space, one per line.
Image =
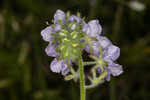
24,66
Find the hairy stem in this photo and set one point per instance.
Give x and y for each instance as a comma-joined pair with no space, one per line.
89,63
82,80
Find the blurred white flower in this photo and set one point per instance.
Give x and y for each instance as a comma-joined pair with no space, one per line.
137,6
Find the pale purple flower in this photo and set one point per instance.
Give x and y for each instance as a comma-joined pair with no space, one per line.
103,41
51,50
59,66
112,52
112,69
46,34
59,16
92,29
115,69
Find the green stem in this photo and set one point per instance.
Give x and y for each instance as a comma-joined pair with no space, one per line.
82,79
97,81
112,90
93,85
89,63
70,68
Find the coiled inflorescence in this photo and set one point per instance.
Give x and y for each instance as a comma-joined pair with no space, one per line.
69,36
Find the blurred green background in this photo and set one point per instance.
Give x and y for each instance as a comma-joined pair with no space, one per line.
24,66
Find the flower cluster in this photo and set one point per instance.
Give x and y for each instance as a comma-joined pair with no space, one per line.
69,35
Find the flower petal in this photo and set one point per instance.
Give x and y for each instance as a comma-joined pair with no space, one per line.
46,33
115,69
56,65
113,52
59,15
104,41
93,28
51,50
59,66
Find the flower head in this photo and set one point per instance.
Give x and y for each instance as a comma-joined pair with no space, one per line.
69,35
64,37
